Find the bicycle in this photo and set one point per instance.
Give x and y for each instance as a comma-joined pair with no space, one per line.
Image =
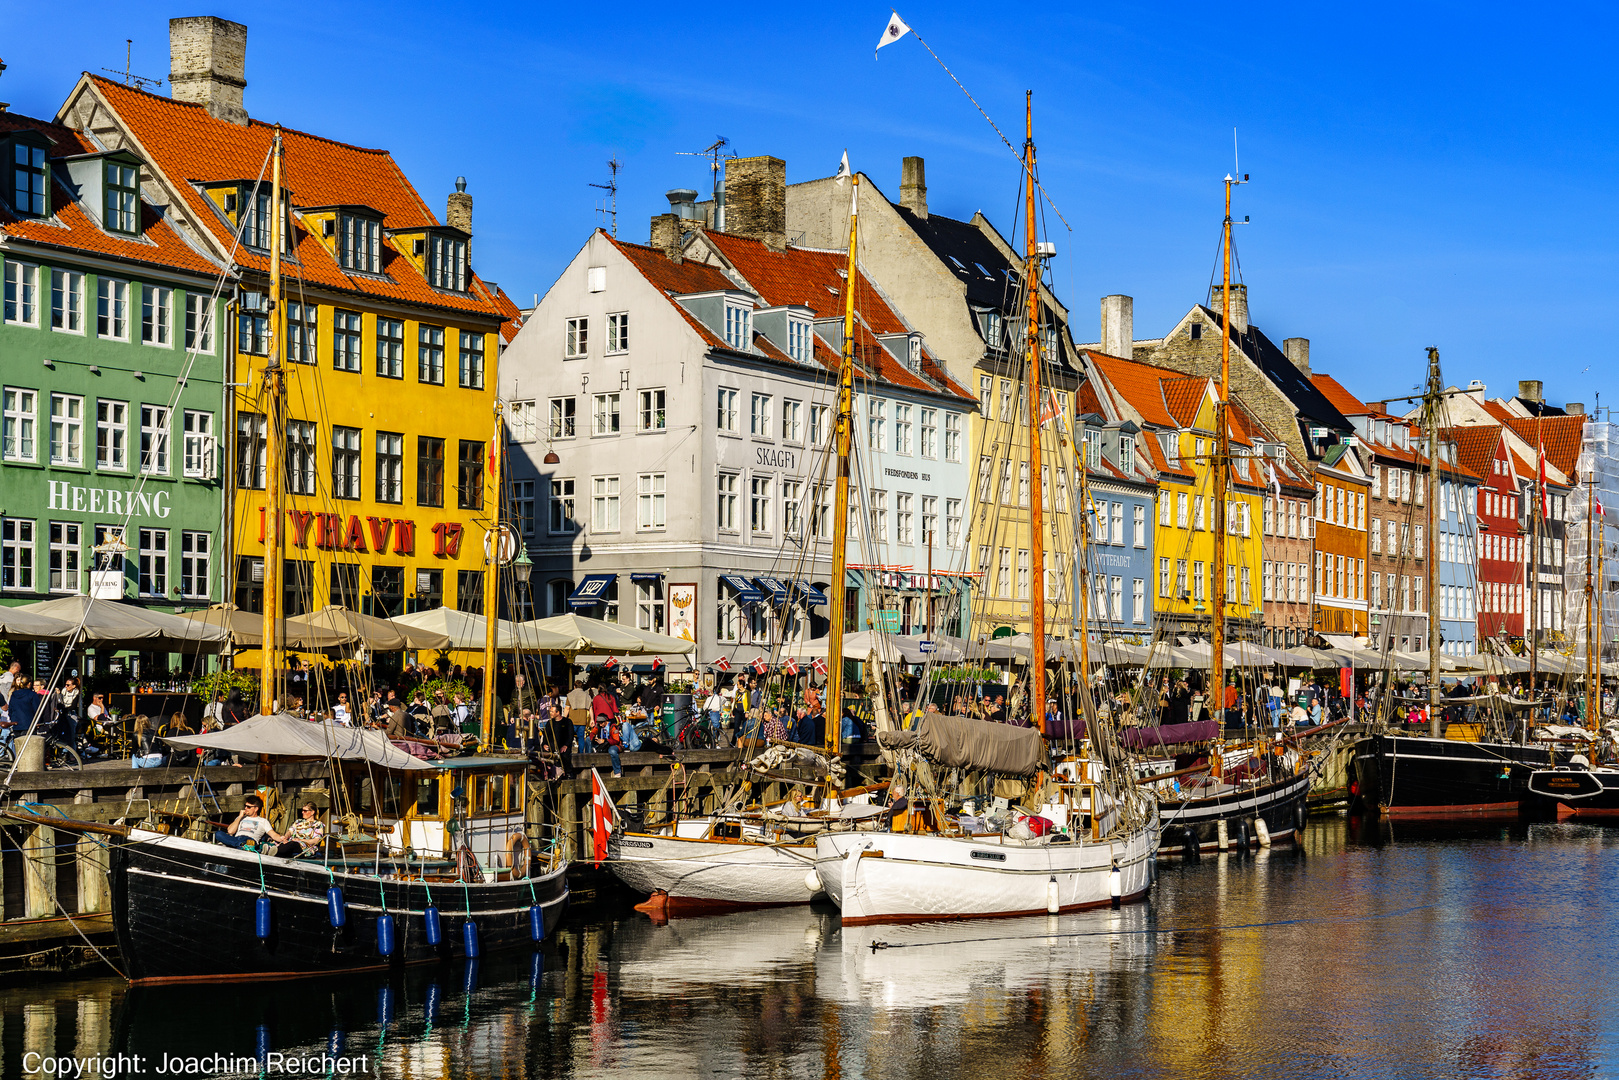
58,755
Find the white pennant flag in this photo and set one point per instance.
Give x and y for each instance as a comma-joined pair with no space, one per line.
843,169
895,30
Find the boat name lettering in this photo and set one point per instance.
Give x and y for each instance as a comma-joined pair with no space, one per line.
992,856
65,496
776,459
635,843
905,474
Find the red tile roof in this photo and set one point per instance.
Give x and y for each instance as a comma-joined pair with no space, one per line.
1141,385
190,147
1340,399
814,279
71,229
687,276
1476,446
1561,436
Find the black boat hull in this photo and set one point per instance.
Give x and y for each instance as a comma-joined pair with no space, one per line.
1280,804
1410,776
1576,792
186,911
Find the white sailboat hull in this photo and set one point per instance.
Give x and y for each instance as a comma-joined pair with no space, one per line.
714,873
906,877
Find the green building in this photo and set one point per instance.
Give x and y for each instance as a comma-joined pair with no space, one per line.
111,346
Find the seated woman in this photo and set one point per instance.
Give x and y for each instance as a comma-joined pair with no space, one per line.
303,837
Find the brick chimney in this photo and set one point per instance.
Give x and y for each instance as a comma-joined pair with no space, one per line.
756,200
1118,326
208,65
1239,305
1530,390
666,235
1575,408
458,209
913,187
1297,351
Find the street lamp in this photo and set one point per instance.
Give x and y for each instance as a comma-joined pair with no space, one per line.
522,566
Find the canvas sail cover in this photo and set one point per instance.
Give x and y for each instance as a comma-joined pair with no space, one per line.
969,743
280,735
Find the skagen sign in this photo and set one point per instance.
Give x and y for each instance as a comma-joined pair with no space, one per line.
772,458
135,504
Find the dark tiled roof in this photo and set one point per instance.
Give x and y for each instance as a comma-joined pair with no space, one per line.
968,253
1312,405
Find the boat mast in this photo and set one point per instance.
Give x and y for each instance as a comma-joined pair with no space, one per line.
1534,571
493,551
1591,718
1430,409
274,425
840,496
1037,557
1218,468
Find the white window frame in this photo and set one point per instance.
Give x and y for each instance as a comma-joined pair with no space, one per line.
523,420
72,428
157,316
725,499
21,297
760,424
618,332
154,447
877,424
153,553
653,411
605,515
652,494
726,418
562,509
820,424
67,301
953,522
112,309
877,500
792,420
902,428
65,561
198,446
21,424
199,325
18,554
761,505
739,327
576,338
606,414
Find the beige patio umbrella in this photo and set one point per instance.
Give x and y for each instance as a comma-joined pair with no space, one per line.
111,623
334,625
467,630
578,634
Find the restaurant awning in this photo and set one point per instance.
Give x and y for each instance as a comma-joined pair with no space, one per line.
113,623
810,593
746,592
777,588
591,591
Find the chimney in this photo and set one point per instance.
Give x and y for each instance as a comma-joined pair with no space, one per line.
756,200
1530,390
1239,305
1297,351
208,65
1118,326
458,210
913,187
1575,408
666,235
682,203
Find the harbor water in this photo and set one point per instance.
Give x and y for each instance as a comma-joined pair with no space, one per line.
1376,951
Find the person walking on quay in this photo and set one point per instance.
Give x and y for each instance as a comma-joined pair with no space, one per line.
579,714
24,705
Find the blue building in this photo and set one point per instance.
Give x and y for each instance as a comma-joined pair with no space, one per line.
1123,489
1457,548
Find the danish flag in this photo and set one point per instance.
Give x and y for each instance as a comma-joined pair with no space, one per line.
610,662
792,667
657,662
604,816
818,665
723,664
760,666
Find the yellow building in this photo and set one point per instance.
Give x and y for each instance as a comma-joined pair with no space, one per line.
390,340
1177,413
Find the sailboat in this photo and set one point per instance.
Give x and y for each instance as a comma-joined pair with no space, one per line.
1088,838
1251,796
186,909
1581,789
1432,776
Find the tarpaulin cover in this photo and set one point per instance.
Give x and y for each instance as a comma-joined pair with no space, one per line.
1135,738
280,735
965,742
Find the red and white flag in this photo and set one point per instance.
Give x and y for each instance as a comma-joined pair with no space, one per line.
610,662
723,664
1543,505
819,666
760,666
1601,513
604,816
792,667
657,662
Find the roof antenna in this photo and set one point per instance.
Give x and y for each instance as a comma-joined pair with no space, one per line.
610,211
714,154
138,81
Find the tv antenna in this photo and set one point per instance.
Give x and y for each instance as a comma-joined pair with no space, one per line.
138,81
715,153
610,211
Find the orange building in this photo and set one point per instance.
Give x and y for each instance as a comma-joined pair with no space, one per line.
1342,486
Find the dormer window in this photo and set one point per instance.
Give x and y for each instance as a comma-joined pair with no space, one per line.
255,218
123,199
799,334
913,354
30,193
359,243
992,329
447,264
1048,341
1093,448
1127,453
738,327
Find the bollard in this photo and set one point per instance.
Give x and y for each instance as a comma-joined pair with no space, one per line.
1222,832
31,754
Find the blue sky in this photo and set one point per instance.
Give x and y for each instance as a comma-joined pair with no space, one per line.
1422,174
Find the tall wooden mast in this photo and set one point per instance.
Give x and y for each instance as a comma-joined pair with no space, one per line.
1037,555
493,552
1592,717
1217,468
840,497
1430,417
275,392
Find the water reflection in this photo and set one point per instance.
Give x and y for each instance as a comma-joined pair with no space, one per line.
1371,951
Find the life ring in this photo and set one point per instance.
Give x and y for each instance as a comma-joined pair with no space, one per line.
517,855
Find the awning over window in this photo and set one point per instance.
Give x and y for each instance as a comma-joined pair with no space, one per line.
743,590
777,588
648,576
810,593
592,590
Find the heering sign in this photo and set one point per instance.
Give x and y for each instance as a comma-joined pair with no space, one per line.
148,504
